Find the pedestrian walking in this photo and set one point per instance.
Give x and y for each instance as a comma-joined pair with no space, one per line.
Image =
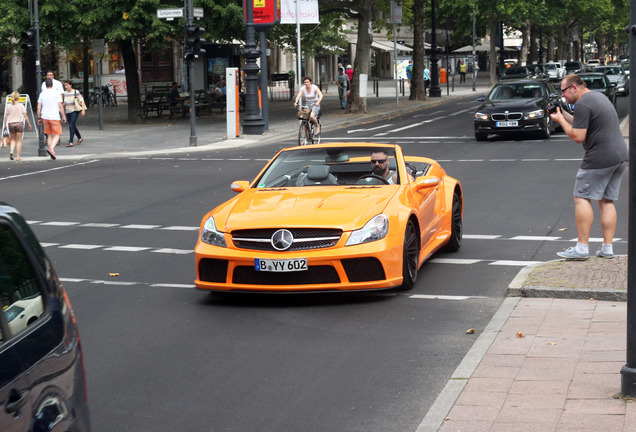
595,125
74,106
349,72
342,81
427,79
50,111
409,72
57,85
15,115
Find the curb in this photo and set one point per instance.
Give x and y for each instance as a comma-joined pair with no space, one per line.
517,288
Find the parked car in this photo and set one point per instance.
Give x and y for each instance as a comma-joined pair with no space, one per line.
591,64
573,67
599,82
42,383
516,107
516,72
294,228
617,76
625,65
554,71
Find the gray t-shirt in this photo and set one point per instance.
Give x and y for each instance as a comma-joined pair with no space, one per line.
604,143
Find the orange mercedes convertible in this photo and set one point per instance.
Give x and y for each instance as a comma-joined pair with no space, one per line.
324,218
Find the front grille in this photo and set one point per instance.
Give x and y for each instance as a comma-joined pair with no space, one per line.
313,275
304,238
363,269
213,270
506,116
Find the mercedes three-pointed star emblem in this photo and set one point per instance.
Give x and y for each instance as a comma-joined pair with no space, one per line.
282,239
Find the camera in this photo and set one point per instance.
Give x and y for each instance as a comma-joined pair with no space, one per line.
552,106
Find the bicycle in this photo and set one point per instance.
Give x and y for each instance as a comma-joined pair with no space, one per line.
307,129
104,92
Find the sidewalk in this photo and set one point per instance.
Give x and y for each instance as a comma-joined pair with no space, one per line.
547,361
164,135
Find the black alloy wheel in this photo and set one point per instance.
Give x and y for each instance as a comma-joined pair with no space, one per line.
455,241
410,256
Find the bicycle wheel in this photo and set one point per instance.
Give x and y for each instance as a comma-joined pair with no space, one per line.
317,136
309,132
301,133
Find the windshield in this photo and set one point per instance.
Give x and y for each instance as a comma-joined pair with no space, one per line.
516,91
594,82
327,166
609,70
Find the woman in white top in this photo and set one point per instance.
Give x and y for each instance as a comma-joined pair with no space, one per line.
14,117
313,97
70,94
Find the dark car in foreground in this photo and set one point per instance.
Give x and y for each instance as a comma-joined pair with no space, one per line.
516,107
42,382
599,82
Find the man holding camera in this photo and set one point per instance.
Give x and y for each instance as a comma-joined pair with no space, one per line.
595,125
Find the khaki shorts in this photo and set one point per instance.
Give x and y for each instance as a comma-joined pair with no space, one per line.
52,127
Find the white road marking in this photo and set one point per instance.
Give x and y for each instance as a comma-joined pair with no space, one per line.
454,261
369,129
174,251
480,236
133,226
99,225
443,297
60,223
81,246
126,249
47,170
541,238
513,263
181,228
160,285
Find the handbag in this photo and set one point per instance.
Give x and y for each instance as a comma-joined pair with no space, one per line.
78,104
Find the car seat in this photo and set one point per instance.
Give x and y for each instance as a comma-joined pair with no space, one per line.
316,175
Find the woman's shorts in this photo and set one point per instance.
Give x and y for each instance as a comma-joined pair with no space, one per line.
602,183
52,127
17,127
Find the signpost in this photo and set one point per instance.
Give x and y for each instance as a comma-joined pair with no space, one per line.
170,14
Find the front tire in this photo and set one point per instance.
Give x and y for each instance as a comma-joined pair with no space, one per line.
455,241
481,136
301,134
410,257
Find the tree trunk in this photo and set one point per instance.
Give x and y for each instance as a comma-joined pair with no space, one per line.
132,81
418,91
492,25
356,103
525,36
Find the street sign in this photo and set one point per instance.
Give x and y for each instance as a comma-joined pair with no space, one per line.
170,14
198,12
98,47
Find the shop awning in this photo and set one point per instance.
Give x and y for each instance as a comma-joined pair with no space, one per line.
388,46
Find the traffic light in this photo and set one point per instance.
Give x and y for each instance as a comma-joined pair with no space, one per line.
29,40
193,40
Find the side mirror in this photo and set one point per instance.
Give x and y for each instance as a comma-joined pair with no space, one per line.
481,98
426,182
240,185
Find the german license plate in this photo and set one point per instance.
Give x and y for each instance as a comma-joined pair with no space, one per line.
507,123
282,265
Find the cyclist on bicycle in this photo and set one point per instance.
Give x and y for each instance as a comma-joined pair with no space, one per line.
313,97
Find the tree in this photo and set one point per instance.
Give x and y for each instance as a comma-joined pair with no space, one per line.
418,91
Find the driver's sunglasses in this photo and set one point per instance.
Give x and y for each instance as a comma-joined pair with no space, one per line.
378,161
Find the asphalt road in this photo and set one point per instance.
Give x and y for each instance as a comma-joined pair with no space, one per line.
161,356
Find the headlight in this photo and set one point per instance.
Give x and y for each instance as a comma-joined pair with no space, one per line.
535,114
481,116
210,235
373,230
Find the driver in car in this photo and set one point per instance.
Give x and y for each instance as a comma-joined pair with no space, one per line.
380,167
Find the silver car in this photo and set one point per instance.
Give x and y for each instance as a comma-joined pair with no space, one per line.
554,71
617,76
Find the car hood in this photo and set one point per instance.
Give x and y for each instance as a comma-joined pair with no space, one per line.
347,208
512,105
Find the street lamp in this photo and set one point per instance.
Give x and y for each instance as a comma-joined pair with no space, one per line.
435,90
253,123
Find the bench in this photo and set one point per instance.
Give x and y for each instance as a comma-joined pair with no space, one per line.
155,102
